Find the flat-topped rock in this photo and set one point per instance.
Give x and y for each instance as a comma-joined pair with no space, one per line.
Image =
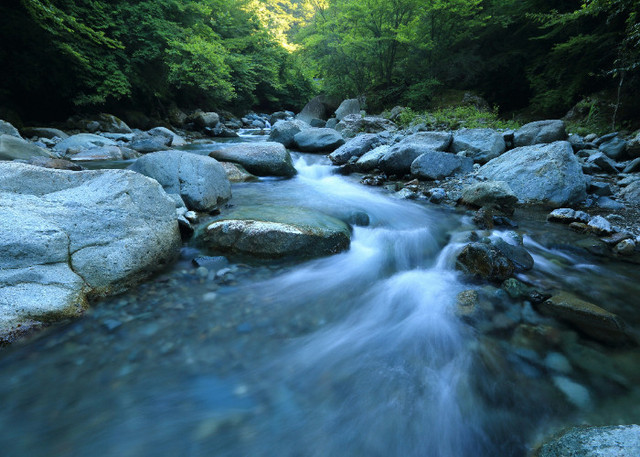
275,232
318,140
481,145
538,132
261,159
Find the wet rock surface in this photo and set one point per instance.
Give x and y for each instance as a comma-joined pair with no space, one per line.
613,441
260,159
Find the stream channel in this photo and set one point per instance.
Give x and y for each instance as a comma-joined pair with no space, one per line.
357,354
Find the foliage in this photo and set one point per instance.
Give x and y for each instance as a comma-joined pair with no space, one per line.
147,53
453,118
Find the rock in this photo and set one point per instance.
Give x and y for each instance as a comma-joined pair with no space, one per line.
548,174
563,215
318,123
317,108
80,234
467,304
600,226
603,162
97,153
612,441
237,173
204,119
317,140
494,194
353,124
355,148
284,131
437,165
280,116
56,164
7,129
484,261
633,147
370,160
481,145
175,139
102,122
350,106
601,189
44,132
625,247
12,147
399,157
199,180
77,143
587,317
631,193
614,148
145,142
575,393
633,166
273,232
437,195
260,159
176,116
332,123
540,132
608,203
516,253
220,131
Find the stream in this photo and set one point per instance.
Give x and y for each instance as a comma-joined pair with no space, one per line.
360,353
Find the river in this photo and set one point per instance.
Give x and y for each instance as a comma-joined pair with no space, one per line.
360,353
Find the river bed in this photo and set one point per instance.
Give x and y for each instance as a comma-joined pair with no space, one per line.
360,353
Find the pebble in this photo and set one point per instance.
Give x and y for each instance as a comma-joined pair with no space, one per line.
202,272
625,247
557,362
575,393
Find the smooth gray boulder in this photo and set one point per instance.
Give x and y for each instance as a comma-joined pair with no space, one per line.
539,132
318,140
261,159
273,232
494,194
399,157
355,148
44,132
145,143
481,145
97,153
318,108
371,159
77,143
204,119
437,165
614,148
586,441
12,147
284,131
66,236
631,193
7,129
545,174
350,106
176,140
200,180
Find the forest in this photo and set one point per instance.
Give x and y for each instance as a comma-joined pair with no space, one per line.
535,58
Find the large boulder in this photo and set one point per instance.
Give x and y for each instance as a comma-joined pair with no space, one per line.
261,159
102,122
204,119
355,148
66,236
175,139
147,142
371,159
81,141
318,140
273,232
44,132
493,194
631,193
318,108
12,147
97,153
350,106
200,180
589,318
399,157
484,261
481,145
614,148
284,131
540,132
352,124
611,441
7,129
437,165
546,174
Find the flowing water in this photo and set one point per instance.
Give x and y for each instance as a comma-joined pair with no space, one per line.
360,353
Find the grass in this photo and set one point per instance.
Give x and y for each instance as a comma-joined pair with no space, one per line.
453,118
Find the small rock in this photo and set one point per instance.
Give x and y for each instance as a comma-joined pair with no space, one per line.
625,247
563,215
495,194
437,195
467,303
600,226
